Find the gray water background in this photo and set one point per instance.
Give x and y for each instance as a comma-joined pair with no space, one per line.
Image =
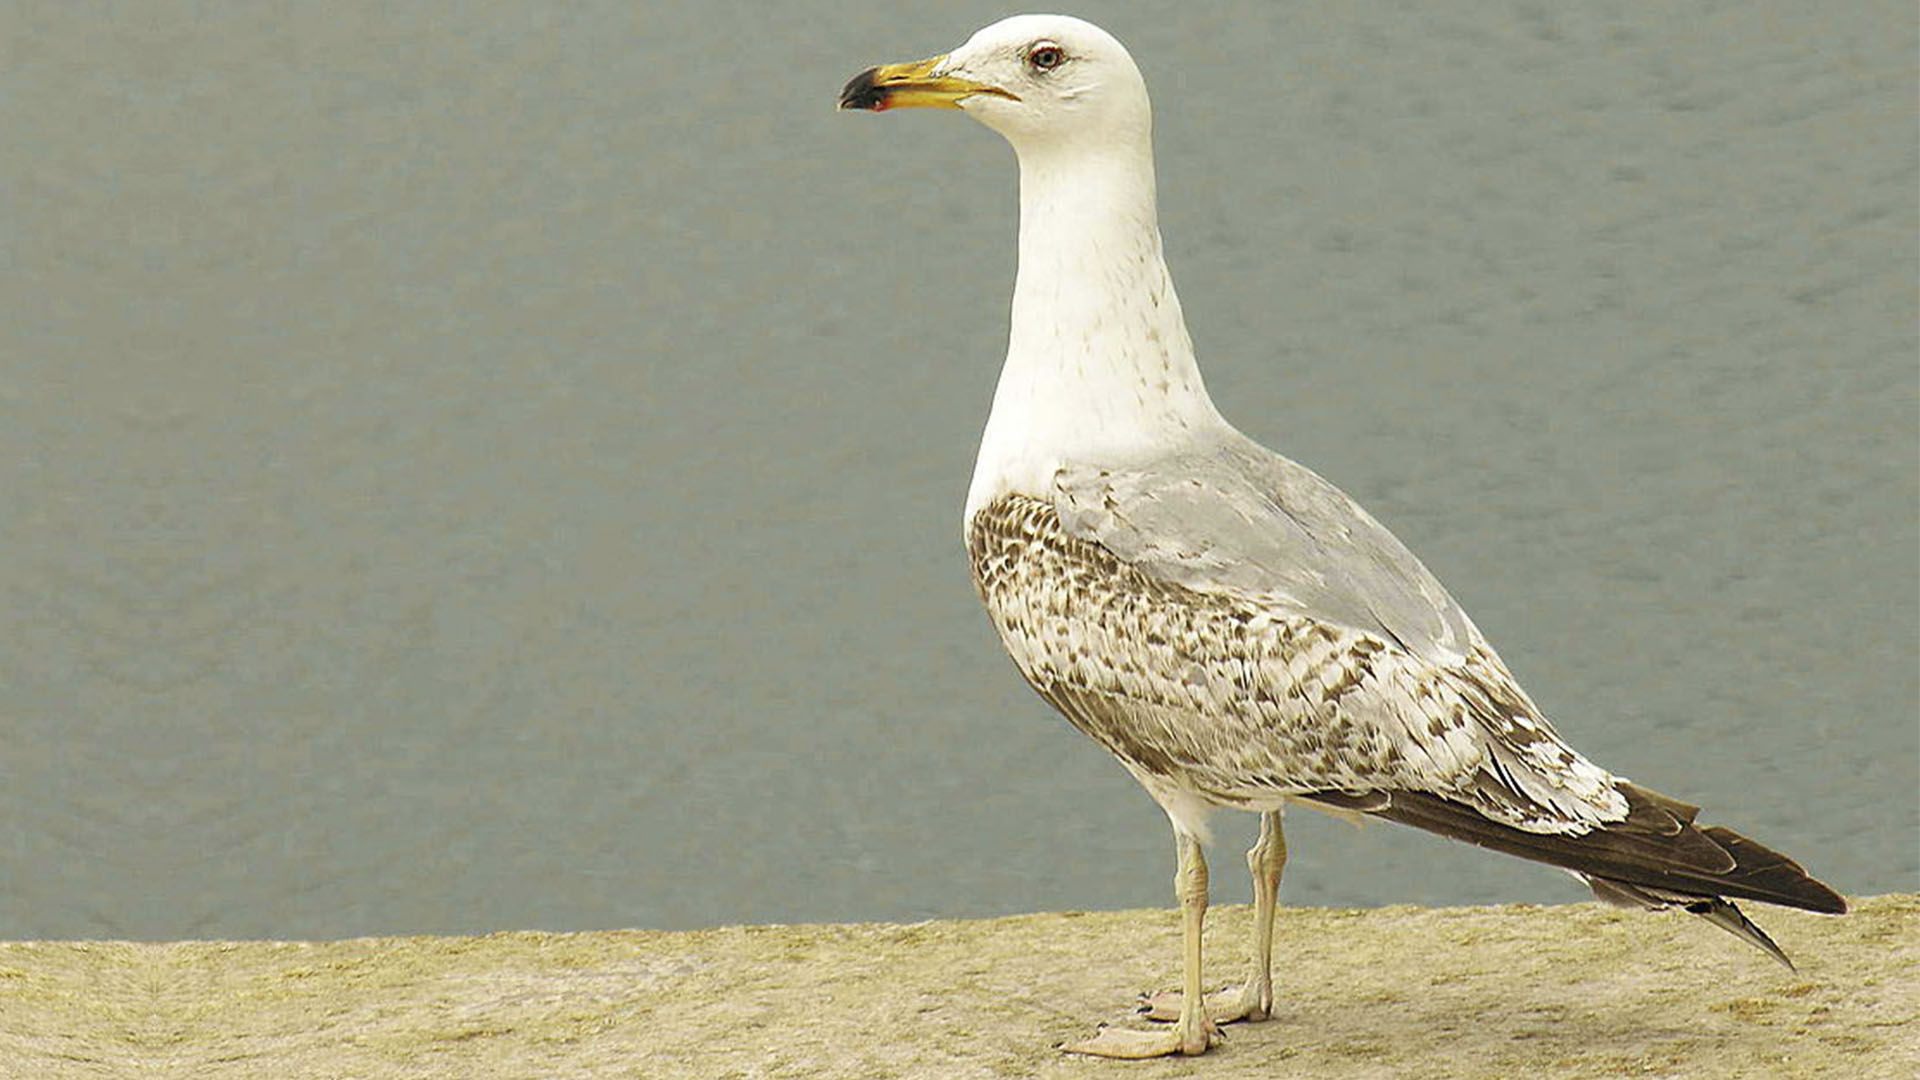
481,466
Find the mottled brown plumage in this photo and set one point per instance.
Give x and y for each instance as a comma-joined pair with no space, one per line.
1215,694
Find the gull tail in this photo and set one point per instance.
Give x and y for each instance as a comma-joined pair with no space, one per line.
1717,910
1654,858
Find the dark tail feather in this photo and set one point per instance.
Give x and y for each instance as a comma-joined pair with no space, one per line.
1656,846
1657,857
1720,912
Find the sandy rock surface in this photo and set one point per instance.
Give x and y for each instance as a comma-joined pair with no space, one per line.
1575,991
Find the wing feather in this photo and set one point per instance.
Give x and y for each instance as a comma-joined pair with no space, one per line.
1229,679
1232,516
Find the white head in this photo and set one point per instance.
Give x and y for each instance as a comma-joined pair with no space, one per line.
1099,366
1042,81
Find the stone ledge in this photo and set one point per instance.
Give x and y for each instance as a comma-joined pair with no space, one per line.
1574,991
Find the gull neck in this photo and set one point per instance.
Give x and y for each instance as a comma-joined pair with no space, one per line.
1099,367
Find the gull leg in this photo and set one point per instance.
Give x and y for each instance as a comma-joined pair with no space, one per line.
1253,1001
1193,1032
1265,861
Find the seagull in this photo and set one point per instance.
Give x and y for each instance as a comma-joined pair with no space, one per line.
1237,631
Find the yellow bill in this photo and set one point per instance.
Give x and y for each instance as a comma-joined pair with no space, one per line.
911,86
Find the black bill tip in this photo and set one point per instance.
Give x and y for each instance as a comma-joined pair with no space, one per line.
861,92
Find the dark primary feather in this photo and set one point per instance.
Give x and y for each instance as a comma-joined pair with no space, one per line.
1656,858
1716,910
1657,846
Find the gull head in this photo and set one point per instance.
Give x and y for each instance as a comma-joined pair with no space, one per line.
1041,81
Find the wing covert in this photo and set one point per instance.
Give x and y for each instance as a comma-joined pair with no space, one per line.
1235,517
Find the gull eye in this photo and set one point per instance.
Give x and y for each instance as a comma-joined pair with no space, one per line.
1046,56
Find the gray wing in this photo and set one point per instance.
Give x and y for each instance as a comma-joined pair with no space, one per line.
1236,517
1236,522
